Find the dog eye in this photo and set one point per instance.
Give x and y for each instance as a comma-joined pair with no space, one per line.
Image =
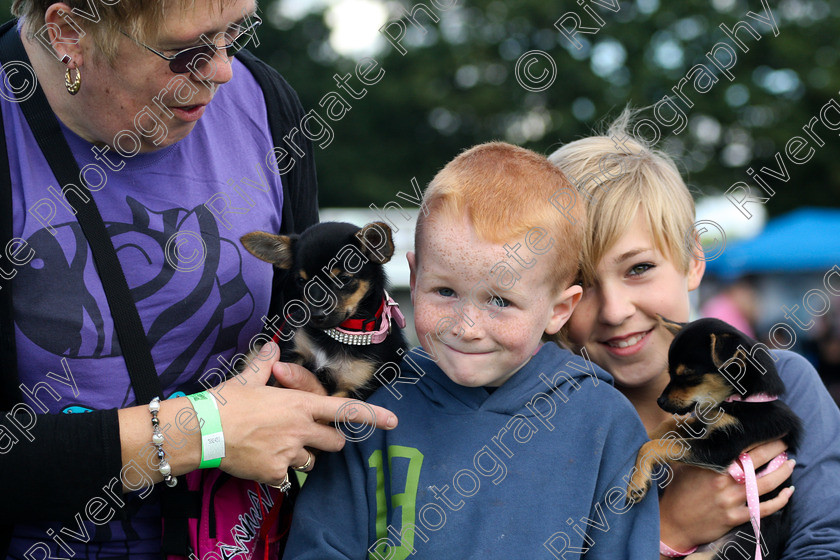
301,281
344,278
691,379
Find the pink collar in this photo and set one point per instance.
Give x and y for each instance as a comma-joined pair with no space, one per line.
758,397
362,338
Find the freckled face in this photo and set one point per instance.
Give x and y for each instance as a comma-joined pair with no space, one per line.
111,97
480,338
616,319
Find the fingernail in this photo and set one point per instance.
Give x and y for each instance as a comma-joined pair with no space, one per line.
391,422
268,348
792,463
792,488
281,366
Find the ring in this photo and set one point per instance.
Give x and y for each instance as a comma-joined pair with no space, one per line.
306,465
283,486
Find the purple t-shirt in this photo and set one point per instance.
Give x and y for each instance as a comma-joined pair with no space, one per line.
175,217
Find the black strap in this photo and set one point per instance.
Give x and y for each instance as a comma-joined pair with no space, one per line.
7,332
130,333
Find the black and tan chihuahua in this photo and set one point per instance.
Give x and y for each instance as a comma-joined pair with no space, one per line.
343,325
730,384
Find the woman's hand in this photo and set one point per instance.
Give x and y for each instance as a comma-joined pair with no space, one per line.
266,428
293,376
700,505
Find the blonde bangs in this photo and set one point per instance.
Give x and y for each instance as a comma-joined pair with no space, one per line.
618,180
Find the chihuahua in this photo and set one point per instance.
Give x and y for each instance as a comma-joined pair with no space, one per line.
340,322
728,385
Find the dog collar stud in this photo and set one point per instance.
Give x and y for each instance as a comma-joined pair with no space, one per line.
353,339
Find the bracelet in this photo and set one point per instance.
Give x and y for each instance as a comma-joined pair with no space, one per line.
666,550
157,441
212,438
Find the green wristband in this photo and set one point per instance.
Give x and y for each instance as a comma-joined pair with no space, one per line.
212,438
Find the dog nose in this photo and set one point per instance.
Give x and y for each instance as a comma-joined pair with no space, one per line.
661,401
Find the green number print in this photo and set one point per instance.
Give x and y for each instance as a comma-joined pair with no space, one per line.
407,498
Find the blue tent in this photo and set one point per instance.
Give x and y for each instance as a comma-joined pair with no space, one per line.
805,239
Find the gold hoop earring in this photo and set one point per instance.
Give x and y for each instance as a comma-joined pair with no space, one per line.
74,86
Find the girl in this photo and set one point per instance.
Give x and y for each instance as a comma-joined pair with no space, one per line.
637,264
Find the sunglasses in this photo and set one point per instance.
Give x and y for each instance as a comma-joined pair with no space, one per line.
184,61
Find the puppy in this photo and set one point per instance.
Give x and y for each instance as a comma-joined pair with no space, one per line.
340,322
728,384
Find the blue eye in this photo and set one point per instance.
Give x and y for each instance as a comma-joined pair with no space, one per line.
446,292
499,301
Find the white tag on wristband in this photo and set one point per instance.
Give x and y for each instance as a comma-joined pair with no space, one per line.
213,446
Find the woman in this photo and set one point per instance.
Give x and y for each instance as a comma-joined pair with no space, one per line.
172,138
638,265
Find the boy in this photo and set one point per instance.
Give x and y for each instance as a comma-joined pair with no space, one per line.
506,448
640,261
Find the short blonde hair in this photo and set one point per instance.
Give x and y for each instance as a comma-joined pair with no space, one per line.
505,191
142,19
618,174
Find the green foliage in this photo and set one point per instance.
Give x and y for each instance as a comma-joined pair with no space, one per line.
458,88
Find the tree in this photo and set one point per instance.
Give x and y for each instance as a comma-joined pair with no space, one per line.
456,85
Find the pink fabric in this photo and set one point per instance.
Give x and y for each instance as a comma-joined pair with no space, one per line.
745,474
241,510
666,550
758,397
722,307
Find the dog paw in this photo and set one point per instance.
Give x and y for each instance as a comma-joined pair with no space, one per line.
635,495
637,487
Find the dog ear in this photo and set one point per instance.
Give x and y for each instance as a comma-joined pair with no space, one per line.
717,343
377,242
276,249
672,326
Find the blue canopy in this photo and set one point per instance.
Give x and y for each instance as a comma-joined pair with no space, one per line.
805,239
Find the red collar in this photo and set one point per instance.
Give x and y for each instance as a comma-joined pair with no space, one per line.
364,325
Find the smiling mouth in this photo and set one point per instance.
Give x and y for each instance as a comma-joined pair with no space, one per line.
626,342
467,353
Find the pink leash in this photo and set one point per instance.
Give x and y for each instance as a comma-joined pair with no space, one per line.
745,473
